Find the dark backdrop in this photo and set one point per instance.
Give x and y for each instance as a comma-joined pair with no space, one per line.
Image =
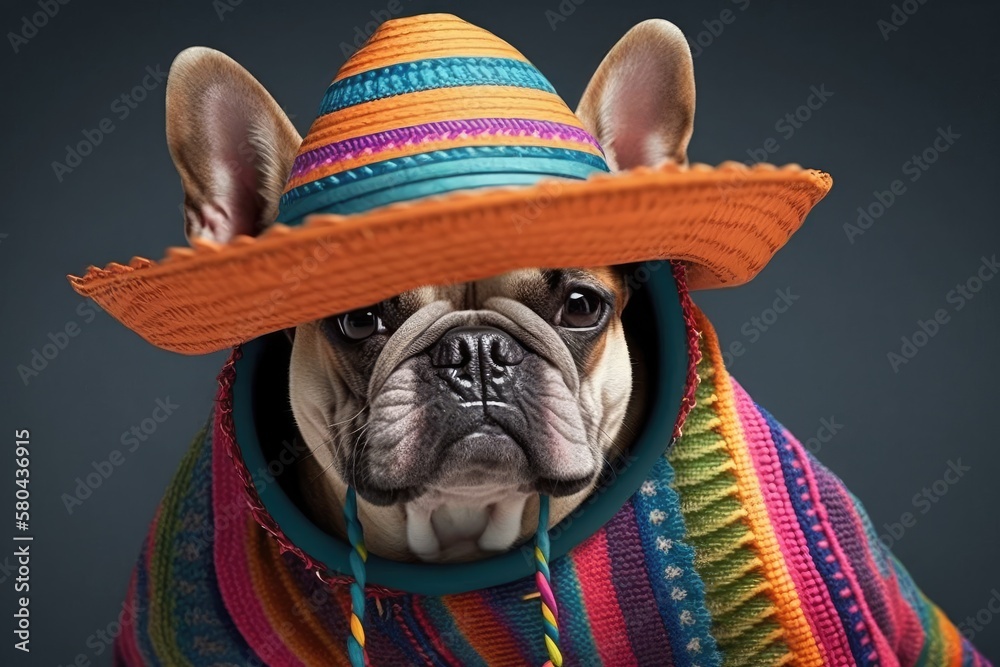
880,95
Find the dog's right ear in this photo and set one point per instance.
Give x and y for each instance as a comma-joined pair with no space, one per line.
231,143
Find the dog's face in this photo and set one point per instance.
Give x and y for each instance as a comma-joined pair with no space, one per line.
477,394
516,382
447,408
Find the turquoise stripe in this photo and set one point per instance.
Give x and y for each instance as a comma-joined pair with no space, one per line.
918,604
430,74
444,624
436,186
387,182
577,634
465,154
877,550
677,586
193,578
142,601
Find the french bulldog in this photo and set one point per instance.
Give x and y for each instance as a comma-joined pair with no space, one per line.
446,407
452,409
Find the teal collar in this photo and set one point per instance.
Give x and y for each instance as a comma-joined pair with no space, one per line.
669,348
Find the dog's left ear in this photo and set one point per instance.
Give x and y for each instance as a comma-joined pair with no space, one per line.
639,104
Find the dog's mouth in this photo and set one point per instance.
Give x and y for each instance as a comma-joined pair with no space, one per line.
478,408
488,456
488,448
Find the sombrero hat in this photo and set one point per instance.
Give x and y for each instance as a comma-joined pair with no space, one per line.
441,155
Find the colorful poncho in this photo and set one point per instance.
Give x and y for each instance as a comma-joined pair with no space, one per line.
738,549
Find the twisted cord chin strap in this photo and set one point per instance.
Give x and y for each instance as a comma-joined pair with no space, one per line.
359,554
543,580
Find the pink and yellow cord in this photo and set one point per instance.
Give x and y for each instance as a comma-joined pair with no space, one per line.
359,555
543,579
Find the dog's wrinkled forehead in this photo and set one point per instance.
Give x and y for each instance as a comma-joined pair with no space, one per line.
543,291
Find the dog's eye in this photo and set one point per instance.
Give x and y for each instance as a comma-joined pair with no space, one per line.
582,309
360,324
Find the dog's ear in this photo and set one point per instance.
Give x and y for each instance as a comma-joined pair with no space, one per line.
231,143
640,102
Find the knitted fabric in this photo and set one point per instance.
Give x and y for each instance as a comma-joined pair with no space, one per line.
738,549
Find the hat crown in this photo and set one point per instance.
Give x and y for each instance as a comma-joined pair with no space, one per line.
414,38
428,105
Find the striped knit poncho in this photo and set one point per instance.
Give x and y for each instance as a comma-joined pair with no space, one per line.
738,549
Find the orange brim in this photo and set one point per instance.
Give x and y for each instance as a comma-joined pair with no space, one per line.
726,223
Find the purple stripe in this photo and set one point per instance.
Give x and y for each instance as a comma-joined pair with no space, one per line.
452,129
630,577
854,543
850,604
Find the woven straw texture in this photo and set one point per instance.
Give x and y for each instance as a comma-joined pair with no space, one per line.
441,155
726,223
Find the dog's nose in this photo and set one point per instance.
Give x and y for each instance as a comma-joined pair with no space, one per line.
477,363
462,347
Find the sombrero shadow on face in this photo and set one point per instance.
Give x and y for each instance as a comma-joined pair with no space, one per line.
438,166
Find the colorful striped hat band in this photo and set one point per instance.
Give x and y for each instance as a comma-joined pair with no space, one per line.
414,148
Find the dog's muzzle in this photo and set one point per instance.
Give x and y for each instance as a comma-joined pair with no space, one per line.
479,364
471,398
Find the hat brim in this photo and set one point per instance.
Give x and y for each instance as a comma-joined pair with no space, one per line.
725,222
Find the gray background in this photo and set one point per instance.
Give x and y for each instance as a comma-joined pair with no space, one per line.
826,357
